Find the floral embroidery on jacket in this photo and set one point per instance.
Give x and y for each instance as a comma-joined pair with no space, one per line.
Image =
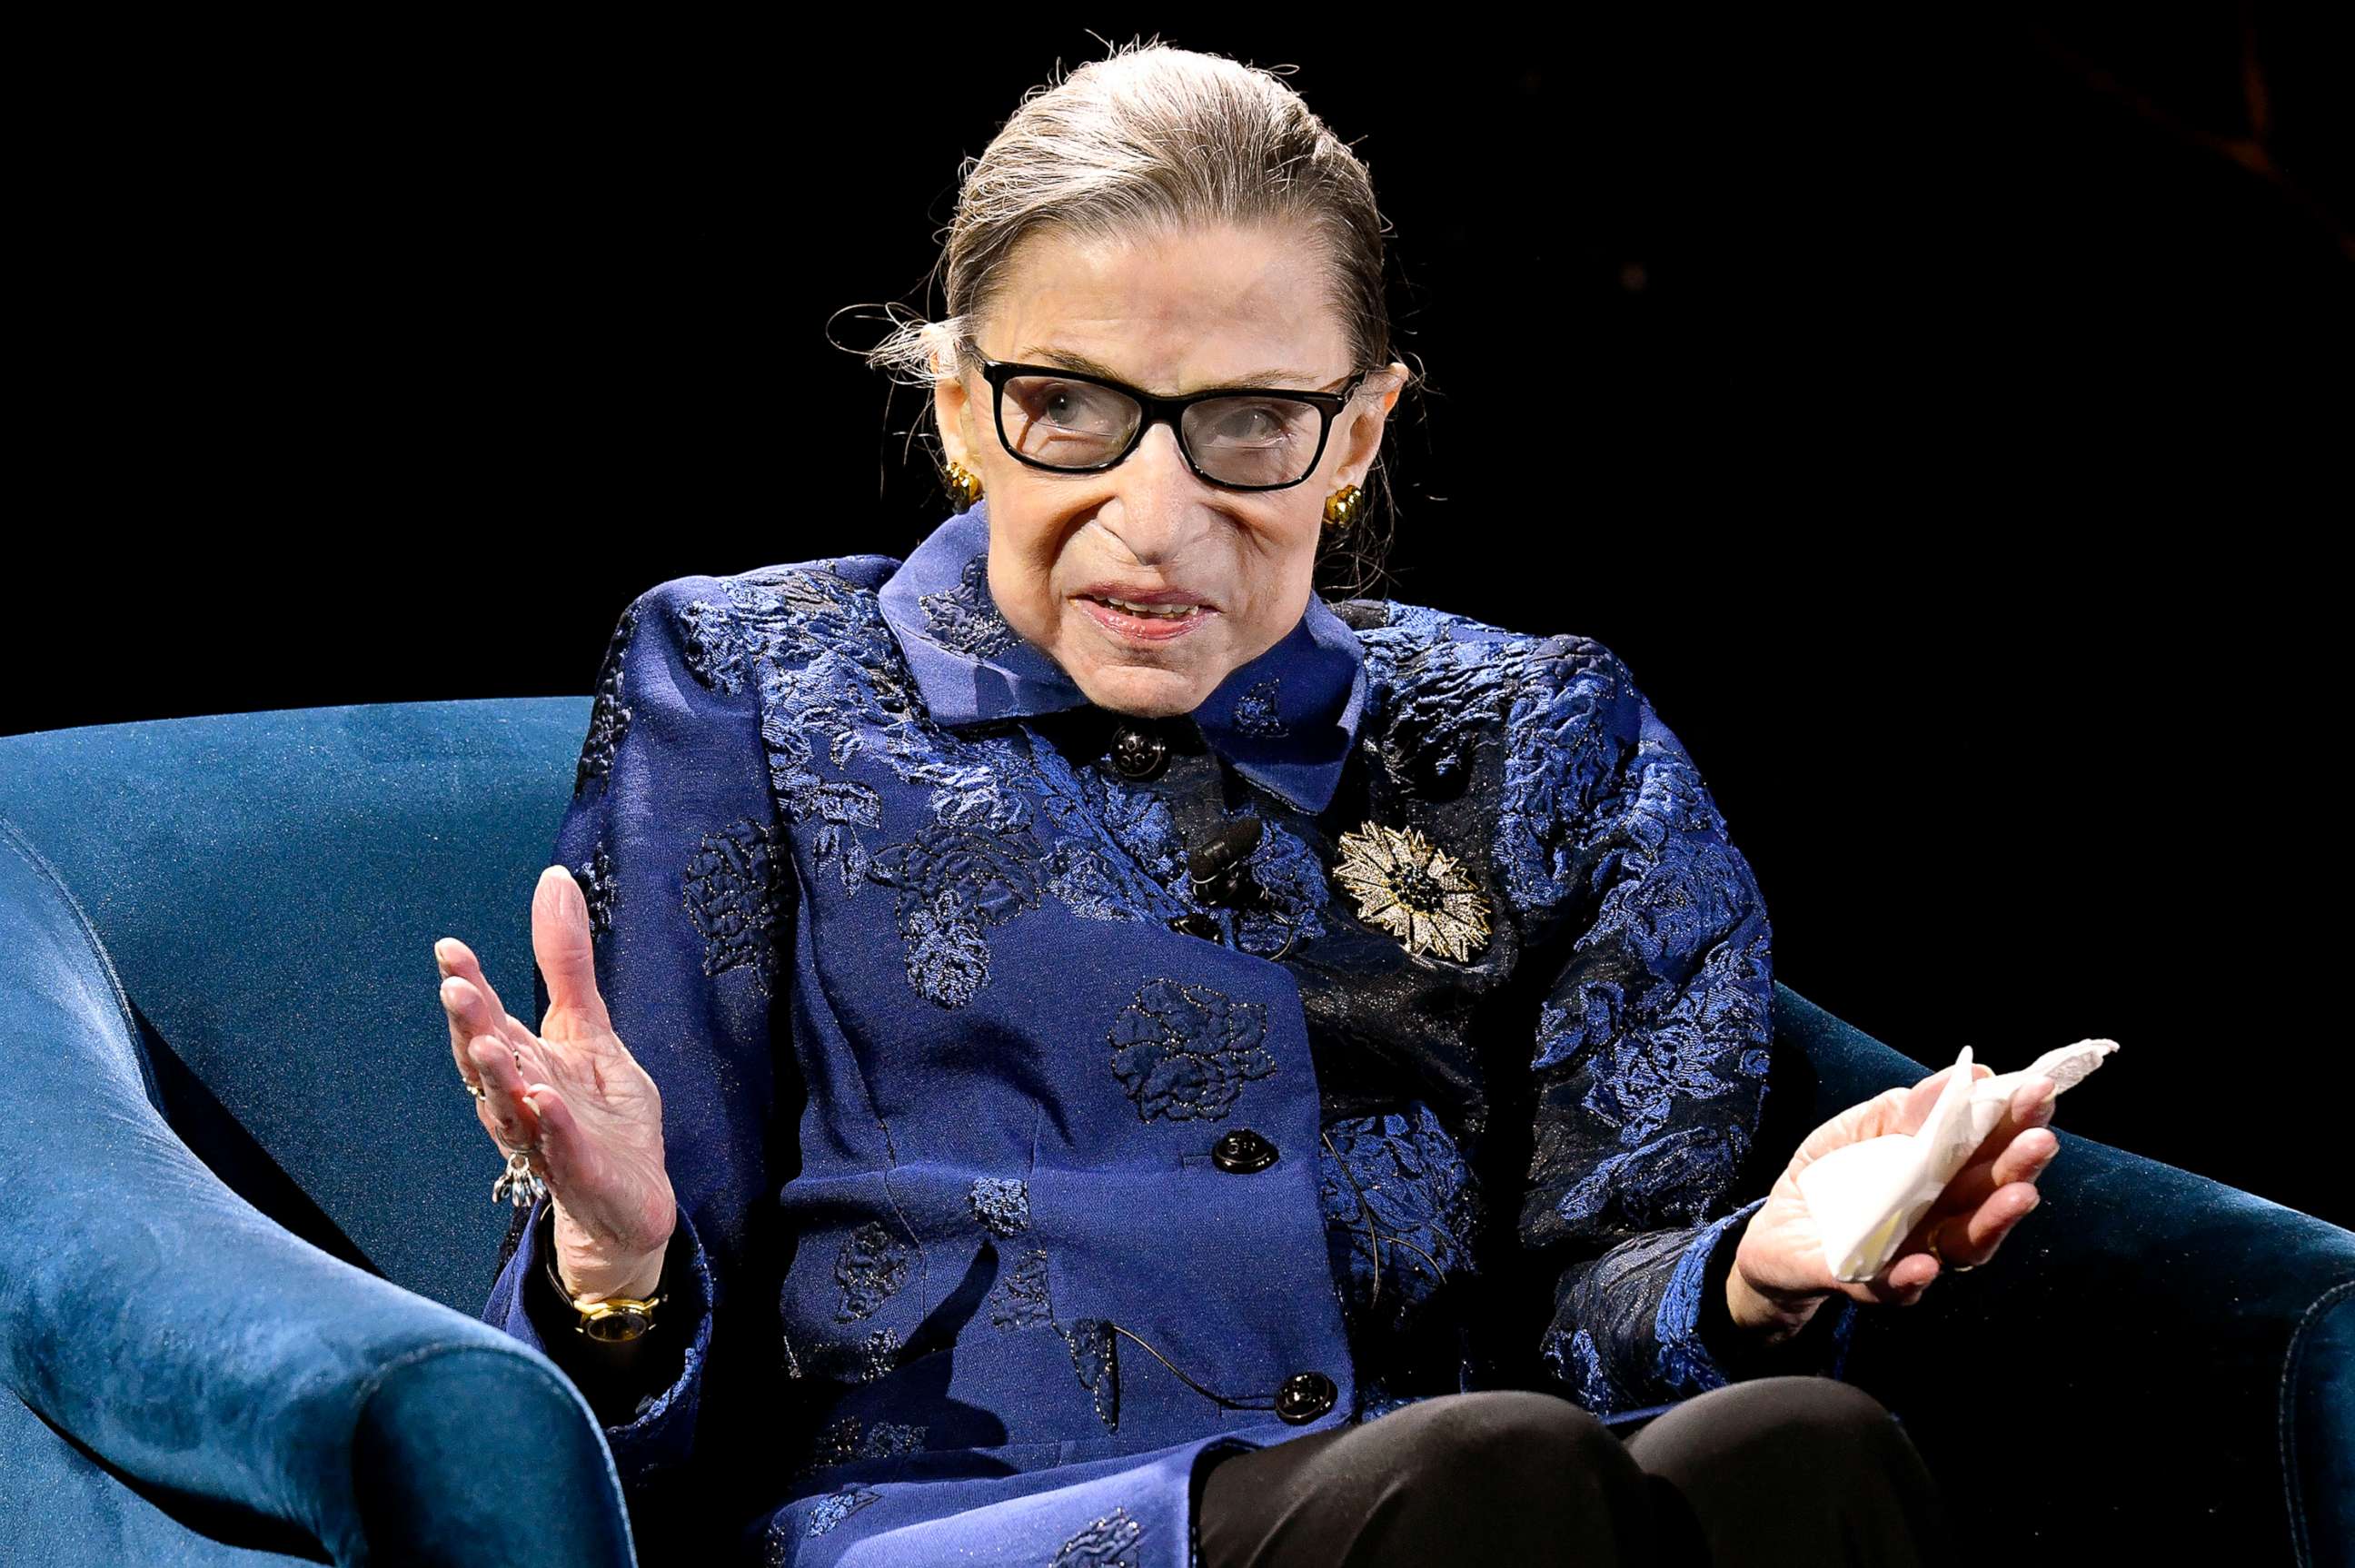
1117,851
876,1354
833,688
1184,1051
1643,1340
1560,748
965,619
1020,1299
1437,685
1096,1360
719,645
609,720
1671,892
859,1361
1399,1209
986,875
733,885
1257,712
970,787
1106,1542
871,1265
1292,889
1001,1203
1084,878
1679,1052
833,1508
595,876
1563,707
848,1438
1138,821
954,881
948,960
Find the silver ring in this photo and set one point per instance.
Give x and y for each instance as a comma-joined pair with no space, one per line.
518,1184
1943,1261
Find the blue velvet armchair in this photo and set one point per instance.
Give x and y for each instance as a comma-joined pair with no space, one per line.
248,1227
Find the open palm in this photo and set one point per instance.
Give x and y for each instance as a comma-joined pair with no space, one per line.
571,1094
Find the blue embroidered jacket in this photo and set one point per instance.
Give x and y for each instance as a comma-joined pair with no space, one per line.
1038,1130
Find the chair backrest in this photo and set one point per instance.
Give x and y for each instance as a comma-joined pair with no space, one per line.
269,887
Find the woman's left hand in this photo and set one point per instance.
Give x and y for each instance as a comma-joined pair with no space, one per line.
1779,1276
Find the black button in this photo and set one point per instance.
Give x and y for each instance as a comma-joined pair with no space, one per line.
1195,922
1303,1397
1243,1151
1139,753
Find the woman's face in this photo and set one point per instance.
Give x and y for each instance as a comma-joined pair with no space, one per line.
1216,308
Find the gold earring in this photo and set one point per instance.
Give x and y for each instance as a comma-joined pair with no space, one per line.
1341,508
963,486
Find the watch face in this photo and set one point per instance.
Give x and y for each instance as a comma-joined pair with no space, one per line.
625,1324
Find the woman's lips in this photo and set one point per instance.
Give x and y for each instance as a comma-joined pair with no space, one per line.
1121,623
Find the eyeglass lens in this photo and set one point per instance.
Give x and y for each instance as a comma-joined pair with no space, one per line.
1237,441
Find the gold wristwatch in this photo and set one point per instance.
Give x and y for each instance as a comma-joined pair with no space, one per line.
611,1320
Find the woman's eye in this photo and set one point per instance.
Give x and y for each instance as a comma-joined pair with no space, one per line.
1253,423
1067,406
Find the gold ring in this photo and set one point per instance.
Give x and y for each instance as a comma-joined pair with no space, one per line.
1932,1237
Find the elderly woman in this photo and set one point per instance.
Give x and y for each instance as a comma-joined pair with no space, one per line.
1072,1049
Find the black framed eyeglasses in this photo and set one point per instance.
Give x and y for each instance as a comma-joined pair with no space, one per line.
1241,438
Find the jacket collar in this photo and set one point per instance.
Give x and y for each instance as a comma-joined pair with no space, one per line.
1286,720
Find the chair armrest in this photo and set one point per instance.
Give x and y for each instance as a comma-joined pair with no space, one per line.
205,1355
2155,1361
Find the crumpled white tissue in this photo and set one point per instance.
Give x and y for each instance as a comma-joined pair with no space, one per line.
1867,1197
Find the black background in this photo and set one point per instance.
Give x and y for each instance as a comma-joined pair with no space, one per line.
1945,421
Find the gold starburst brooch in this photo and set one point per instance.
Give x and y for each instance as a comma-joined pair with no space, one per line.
1409,887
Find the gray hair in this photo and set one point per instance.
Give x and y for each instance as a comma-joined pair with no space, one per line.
1152,139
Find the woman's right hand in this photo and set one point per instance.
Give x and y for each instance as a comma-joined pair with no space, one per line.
575,1091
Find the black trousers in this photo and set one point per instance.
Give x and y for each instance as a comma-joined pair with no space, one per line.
1775,1470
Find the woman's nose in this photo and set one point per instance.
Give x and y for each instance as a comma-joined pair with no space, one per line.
1160,512
1156,483
1160,453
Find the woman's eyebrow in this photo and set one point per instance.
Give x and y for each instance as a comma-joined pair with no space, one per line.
1085,365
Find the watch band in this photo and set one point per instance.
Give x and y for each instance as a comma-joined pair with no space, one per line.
611,1320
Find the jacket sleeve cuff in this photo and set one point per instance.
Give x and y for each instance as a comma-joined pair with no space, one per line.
659,1432
1624,1335
1698,1330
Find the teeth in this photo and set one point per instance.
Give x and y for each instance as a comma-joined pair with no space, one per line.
1157,613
